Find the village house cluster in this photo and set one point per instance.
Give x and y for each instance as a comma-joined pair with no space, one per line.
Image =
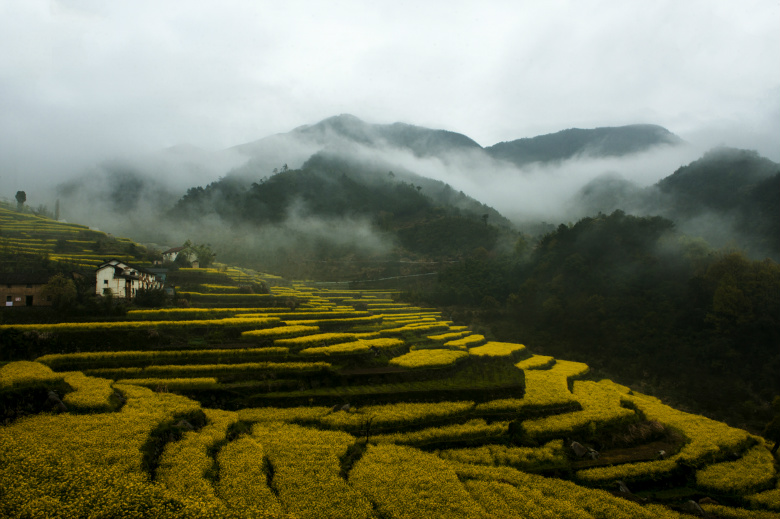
113,277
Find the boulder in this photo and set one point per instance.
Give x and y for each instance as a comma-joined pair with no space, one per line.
578,449
184,424
692,507
53,400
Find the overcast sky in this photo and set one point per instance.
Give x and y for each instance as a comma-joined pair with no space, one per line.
81,80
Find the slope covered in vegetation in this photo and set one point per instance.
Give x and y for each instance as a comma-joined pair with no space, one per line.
632,297
401,215
728,196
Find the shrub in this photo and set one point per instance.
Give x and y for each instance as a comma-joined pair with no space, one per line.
150,297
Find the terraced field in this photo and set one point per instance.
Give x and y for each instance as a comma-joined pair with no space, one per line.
312,403
78,245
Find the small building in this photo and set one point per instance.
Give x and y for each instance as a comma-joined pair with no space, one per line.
171,254
122,280
25,289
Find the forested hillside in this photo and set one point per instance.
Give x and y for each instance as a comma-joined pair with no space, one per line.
599,142
728,196
409,216
631,296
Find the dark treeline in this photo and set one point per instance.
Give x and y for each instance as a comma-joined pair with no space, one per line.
639,303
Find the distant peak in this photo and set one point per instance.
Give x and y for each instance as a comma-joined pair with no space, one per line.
344,117
341,119
339,123
604,141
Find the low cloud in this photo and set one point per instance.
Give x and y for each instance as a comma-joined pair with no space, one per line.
538,191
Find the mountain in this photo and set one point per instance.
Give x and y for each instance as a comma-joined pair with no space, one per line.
347,130
721,180
598,142
145,184
341,170
321,210
728,196
421,141
375,172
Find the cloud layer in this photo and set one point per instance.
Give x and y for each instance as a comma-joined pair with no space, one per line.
85,80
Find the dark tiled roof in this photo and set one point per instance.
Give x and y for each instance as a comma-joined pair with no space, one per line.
123,271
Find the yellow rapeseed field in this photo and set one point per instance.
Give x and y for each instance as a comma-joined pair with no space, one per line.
754,471
429,358
496,349
306,468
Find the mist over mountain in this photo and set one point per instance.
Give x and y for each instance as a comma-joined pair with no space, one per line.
598,142
398,146
421,141
348,135
340,181
717,181
120,193
116,196
374,171
344,131
126,195
377,211
729,197
526,180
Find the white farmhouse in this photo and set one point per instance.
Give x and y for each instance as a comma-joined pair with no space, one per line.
123,280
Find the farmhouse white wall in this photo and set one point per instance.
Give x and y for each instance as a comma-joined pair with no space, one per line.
123,280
